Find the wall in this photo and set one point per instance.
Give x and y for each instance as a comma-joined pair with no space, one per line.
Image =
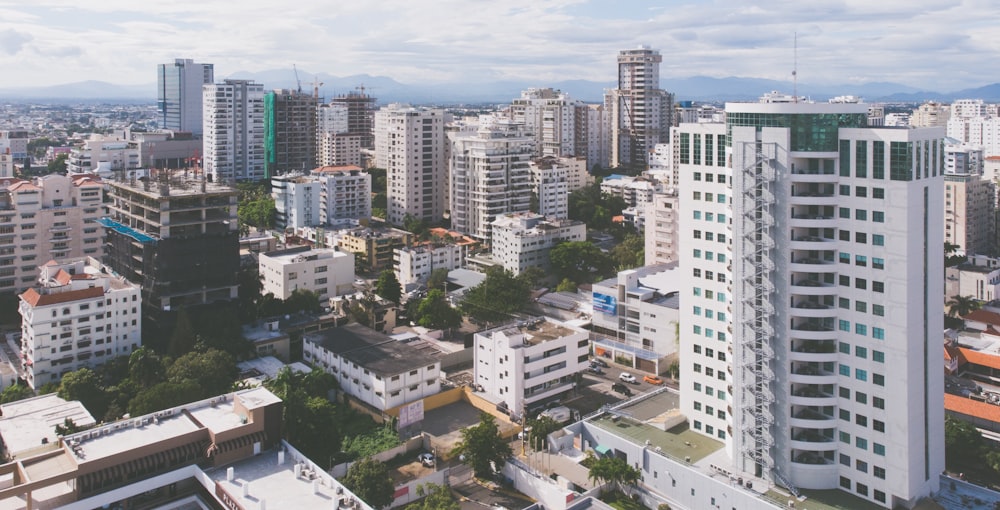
410,445
544,490
407,492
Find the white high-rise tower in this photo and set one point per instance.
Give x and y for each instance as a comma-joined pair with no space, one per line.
411,145
234,131
639,110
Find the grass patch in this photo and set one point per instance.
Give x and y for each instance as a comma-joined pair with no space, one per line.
620,501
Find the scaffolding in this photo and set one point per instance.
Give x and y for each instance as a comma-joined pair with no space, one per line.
756,164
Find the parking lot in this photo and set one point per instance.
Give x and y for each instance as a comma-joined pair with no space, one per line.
594,390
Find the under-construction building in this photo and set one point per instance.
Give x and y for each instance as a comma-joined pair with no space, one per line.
178,239
289,131
360,115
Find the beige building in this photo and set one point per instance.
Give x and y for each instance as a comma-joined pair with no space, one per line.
375,245
969,213
931,114
327,272
661,232
49,217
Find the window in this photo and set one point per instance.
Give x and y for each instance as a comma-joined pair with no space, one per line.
878,403
860,352
845,437
697,291
697,349
878,286
845,415
861,375
860,306
720,198
845,258
845,280
861,465
696,272
878,310
845,392
697,386
878,239
878,193
860,260
861,329
878,356
697,310
844,303
861,398
845,460
697,214
878,334
721,238
878,263
721,257
845,190
844,325
861,237
845,213
861,191
878,379
861,420
697,234
861,214
878,216
845,347
697,254
697,175
697,195
697,330
709,236
845,235
861,443
697,367
709,216
879,473
860,283
878,426
697,406
845,370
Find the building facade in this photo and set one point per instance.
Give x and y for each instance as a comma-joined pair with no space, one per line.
375,245
550,188
639,111
179,94
826,377
662,228
361,109
415,265
524,240
970,213
290,131
324,271
298,201
411,146
233,119
79,316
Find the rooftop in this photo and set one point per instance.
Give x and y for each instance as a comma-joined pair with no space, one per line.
25,424
177,186
375,351
535,331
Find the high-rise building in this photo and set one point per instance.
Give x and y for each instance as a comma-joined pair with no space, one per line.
661,232
411,146
969,213
290,123
490,176
558,122
930,114
179,94
550,187
812,302
335,145
234,131
639,110
360,115
524,240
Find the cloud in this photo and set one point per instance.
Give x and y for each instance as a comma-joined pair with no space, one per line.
12,41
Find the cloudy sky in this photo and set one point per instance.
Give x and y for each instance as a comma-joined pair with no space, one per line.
942,45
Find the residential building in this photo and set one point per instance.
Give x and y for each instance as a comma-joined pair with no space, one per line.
178,239
50,216
375,245
598,128
268,341
335,145
558,122
298,201
80,316
969,213
550,188
233,119
636,318
931,114
963,159
290,131
523,365
824,378
976,131
415,264
639,111
13,150
662,228
490,176
346,194
411,146
979,277
373,368
325,271
523,240
661,161
636,191
361,109
179,94
102,153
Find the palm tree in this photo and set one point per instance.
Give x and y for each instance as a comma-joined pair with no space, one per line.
960,306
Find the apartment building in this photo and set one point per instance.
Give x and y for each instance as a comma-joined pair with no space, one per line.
325,271
970,213
415,264
639,111
557,121
979,277
662,228
290,131
233,120
524,364
54,216
80,315
346,194
360,110
411,146
298,201
375,245
523,240
550,186
374,368
103,153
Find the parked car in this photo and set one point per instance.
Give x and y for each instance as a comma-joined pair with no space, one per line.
627,377
595,369
427,459
558,414
621,388
652,379
599,362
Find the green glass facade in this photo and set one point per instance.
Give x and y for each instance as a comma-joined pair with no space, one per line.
810,132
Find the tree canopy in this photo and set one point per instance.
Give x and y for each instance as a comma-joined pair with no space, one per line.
497,298
15,392
436,497
630,253
369,479
308,415
580,262
483,447
434,311
615,471
388,286
960,306
593,207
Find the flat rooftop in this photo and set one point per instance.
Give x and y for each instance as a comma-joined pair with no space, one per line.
536,331
26,423
375,351
179,187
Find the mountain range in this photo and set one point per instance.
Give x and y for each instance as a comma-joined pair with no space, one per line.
696,88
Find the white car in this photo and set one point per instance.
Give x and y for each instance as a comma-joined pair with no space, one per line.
627,377
427,459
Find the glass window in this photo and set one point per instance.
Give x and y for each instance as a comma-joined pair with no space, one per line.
844,303
878,310
845,213
861,260
878,160
861,191
861,443
901,161
878,216
697,254
861,375
878,239
878,334
878,403
844,370
861,329
861,214
879,449
697,215
844,347
720,198
878,379
878,286
845,437
861,237
685,148
845,190
860,306
845,158
860,352
878,263
844,325
878,356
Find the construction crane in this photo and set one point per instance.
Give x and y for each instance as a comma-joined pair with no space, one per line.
297,80
316,85
362,88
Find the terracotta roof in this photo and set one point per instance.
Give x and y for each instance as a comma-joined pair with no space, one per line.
984,316
951,352
63,277
51,263
83,276
981,358
33,298
338,168
969,407
23,186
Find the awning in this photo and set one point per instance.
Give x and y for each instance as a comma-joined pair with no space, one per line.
603,450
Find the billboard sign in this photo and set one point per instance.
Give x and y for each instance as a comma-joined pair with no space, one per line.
605,304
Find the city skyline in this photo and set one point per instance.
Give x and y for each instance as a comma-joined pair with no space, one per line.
932,45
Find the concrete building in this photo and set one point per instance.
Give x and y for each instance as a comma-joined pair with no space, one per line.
963,159
79,316
639,111
361,109
662,228
636,317
557,121
298,201
931,114
179,94
524,240
830,375
49,217
373,368
327,272
102,153
523,365
661,162
636,191
375,244
335,145
598,127
328,195
970,213
411,146
415,264
550,186
233,119
28,426
490,176
290,131
979,277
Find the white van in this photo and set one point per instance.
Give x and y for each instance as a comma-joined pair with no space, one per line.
559,414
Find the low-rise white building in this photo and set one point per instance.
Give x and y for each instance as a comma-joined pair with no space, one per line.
374,368
525,363
79,316
522,240
325,271
415,264
346,194
636,316
979,277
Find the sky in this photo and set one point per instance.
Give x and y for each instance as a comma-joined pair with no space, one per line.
940,45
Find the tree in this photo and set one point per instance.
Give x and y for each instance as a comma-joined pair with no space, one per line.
308,415
145,368
496,299
58,165
533,276
388,286
164,396
301,300
579,261
68,427
540,430
483,447
960,306
213,370
435,312
963,444
629,253
369,479
85,386
593,207
15,392
614,471
438,279
566,285
250,289
436,497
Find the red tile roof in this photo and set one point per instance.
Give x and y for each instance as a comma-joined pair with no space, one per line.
33,298
981,358
63,277
984,316
951,353
339,168
973,408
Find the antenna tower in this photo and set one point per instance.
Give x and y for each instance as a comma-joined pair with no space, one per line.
795,69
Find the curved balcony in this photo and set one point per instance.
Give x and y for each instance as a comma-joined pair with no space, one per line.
813,354
812,330
812,177
812,243
813,439
811,395
812,309
812,287
811,373
812,221
812,419
805,264
823,195
812,469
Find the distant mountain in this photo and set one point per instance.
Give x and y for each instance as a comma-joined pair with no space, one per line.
84,90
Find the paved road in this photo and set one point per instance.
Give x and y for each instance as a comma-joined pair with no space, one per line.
595,391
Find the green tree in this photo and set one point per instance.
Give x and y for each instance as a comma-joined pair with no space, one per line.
164,396
540,430
614,471
629,253
963,445
145,368
496,299
435,312
250,290
415,225
566,285
301,300
594,208
68,427
388,286
15,392
438,279
960,306
309,418
85,386
58,165
369,479
213,370
483,447
436,497
533,276
579,261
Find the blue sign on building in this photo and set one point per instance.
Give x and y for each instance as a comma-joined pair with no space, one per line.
605,304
